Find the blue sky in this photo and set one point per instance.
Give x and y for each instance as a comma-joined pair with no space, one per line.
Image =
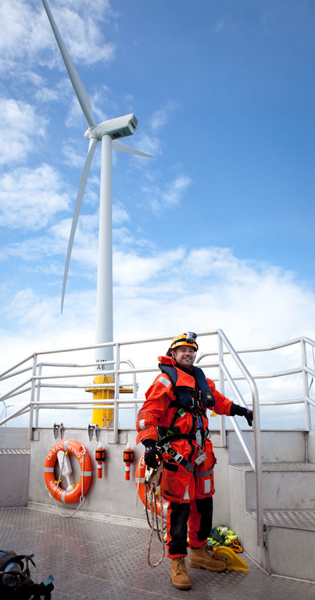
217,230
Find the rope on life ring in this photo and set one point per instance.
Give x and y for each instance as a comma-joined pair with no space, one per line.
78,492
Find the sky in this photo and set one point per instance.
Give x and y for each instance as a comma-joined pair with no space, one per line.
217,230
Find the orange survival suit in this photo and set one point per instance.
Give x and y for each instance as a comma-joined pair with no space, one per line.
174,416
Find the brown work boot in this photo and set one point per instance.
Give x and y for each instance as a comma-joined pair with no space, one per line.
179,575
202,558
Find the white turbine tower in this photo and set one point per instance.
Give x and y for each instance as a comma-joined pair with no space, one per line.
109,132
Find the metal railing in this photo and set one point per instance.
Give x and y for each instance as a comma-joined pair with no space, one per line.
38,382
224,347
306,348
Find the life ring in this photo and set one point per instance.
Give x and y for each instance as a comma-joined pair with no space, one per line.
140,484
82,486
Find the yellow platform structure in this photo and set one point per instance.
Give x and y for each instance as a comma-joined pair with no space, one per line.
104,417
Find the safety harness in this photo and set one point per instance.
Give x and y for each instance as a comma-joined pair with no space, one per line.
195,400
202,399
183,393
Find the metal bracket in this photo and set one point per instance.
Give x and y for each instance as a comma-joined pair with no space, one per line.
56,430
93,428
90,431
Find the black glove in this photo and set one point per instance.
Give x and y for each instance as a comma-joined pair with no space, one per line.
152,455
236,409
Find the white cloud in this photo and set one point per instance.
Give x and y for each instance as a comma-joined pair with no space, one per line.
163,293
161,117
40,322
224,26
74,114
34,78
124,238
55,242
203,288
120,214
83,37
35,195
175,189
45,94
17,17
133,270
85,247
260,304
149,144
20,130
72,151
27,31
171,195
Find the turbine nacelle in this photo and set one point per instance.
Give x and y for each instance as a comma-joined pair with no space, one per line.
115,128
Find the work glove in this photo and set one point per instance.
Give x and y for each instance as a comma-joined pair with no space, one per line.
152,456
236,409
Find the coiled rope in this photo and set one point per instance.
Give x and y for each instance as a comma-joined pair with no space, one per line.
153,483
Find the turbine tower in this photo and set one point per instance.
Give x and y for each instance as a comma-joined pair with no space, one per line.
109,133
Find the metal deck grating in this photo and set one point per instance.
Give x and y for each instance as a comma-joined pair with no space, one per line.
280,467
98,560
291,467
292,519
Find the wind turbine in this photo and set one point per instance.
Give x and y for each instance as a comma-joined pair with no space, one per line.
109,133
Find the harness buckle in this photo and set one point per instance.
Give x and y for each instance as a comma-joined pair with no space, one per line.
175,455
178,458
201,459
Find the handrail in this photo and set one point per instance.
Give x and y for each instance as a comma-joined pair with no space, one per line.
257,440
15,414
255,461
15,373
9,394
22,362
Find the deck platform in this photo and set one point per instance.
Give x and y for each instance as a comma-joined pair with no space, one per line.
102,557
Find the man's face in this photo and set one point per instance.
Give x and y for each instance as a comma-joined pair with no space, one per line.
184,356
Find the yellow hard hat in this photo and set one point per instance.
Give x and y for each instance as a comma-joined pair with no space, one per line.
184,339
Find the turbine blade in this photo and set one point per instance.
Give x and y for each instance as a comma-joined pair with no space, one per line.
75,79
121,147
80,194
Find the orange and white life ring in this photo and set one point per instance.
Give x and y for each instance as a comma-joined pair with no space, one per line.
82,486
140,484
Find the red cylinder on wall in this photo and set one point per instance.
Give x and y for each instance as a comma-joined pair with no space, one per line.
100,459
128,460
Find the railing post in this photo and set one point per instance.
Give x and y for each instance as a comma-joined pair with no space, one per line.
40,368
305,386
134,386
33,388
257,440
116,398
258,466
221,387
